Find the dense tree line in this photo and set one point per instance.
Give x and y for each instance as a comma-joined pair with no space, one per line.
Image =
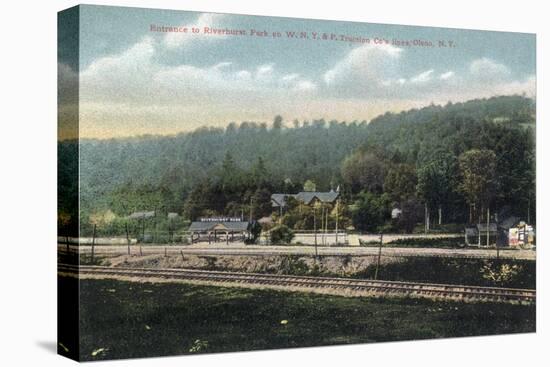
451,162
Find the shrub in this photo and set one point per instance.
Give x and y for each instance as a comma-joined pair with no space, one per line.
281,234
438,242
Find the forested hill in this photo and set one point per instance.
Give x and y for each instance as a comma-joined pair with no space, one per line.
300,150
394,129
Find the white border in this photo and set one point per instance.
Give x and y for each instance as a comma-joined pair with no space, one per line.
28,205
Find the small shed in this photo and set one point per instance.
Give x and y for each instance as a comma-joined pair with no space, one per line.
522,235
477,235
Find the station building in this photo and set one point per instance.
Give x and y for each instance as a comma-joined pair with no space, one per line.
219,229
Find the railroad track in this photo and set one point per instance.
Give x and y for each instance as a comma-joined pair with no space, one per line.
317,284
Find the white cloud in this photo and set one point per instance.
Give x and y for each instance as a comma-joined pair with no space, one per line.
127,75
367,65
371,71
135,77
290,77
264,73
486,68
423,77
135,85
244,75
447,75
305,85
222,65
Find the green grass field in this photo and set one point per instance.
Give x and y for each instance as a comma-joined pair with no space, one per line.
129,320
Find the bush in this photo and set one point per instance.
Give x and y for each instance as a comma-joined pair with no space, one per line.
281,234
249,241
293,265
440,242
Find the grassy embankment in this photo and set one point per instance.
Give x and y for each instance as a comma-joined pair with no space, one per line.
495,273
126,320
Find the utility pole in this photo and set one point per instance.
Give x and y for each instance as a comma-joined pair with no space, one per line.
488,217
155,235
93,243
379,256
322,220
250,214
529,209
336,226
425,218
326,224
428,219
315,230
127,237
143,229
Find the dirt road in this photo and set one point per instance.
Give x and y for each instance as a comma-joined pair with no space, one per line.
250,250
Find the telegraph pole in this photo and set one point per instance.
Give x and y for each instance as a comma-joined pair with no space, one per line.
326,223
425,218
488,226
315,230
379,256
250,214
93,244
127,236
336,227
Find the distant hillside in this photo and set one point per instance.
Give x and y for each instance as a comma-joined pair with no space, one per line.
308,150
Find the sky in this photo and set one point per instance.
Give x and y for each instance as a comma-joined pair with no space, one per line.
134,81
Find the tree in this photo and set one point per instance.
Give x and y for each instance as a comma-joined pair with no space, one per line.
477,168
310,186
207,198
435,182
255,230
370,211
231,128
411,214
364,171
113,170
400,182
261,203
228,165
278,122
259,173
